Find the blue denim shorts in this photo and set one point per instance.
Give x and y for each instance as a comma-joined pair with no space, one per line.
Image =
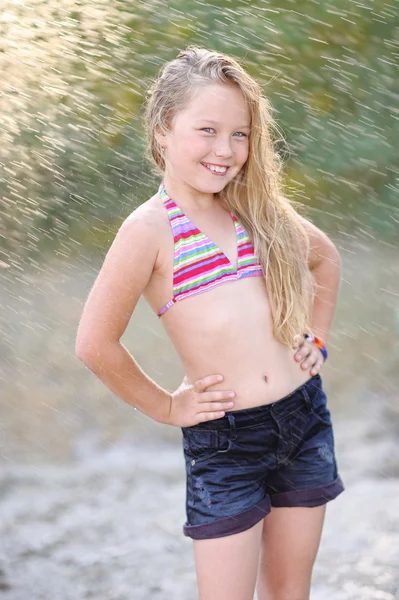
277,454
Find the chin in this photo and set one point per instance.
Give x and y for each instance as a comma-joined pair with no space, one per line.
209,187
215,189
218,183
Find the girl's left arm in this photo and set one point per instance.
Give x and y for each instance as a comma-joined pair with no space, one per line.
325,265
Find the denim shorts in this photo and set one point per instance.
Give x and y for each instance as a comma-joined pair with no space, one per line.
277,454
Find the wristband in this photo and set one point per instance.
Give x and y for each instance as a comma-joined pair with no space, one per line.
318,342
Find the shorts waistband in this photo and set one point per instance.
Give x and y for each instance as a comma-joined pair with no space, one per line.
245,417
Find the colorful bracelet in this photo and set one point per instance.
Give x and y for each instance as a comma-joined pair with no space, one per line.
318,342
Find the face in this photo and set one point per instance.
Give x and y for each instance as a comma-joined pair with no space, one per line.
213,130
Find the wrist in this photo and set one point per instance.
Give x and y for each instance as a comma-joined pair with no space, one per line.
318,342
167,413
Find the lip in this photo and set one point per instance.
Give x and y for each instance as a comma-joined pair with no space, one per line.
216,173
215,165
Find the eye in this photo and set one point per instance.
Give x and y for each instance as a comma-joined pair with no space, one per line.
241,132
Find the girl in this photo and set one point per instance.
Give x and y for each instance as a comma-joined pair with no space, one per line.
242,284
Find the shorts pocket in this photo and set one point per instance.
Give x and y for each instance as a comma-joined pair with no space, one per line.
203,444
319,408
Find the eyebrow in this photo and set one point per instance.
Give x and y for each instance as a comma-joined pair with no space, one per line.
216,123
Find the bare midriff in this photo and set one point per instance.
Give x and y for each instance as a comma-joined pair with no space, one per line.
227,331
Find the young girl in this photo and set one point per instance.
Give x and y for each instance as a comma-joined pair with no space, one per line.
246,289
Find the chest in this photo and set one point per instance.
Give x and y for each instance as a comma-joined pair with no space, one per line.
216,237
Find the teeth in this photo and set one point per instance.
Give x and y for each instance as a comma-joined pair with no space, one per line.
217,169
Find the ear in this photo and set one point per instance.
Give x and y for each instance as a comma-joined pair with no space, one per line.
160,137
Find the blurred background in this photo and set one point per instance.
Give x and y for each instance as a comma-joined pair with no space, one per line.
92,492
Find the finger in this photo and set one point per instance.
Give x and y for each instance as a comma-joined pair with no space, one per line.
316,368
215,407
303,353
310,360
299,340
202,384
215,396
210,416
296,341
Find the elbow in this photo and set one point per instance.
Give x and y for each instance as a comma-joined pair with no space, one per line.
81,353
84,349
88,357
332,256
91,351
87,344
337,260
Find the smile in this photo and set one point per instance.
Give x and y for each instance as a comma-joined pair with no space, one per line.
215,169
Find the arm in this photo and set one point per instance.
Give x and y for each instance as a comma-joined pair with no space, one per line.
125,273
325,266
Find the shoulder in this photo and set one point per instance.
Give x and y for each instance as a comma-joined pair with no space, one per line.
148,215
146,223
137,242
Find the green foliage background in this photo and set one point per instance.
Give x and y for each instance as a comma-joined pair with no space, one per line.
75,75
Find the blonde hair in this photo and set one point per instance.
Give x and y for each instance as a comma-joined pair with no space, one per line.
255,194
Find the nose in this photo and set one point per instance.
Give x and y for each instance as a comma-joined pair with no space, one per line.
223,149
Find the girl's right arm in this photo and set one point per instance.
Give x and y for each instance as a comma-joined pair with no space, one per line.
124,275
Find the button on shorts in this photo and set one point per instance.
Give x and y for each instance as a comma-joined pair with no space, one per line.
278,454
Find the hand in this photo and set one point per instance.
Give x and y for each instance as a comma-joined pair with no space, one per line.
192,404
308,353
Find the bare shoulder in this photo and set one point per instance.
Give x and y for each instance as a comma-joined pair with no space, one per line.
146,228
126,271
150,221
147,216
320,245
136,239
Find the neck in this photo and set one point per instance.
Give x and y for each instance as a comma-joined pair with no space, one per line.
187,196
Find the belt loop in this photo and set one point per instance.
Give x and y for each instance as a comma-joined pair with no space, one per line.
308,401
232,423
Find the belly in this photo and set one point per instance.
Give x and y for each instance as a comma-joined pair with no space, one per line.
228,331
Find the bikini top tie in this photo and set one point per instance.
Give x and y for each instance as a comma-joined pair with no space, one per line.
199,265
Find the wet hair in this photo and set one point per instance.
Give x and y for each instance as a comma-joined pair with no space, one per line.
255,195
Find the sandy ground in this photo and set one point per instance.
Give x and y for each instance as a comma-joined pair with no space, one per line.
109,526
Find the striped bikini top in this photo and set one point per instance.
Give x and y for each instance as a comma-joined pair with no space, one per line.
199,265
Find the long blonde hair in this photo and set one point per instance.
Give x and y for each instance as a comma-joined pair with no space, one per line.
255,194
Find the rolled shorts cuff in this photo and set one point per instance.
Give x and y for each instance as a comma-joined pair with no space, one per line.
229,525
311,497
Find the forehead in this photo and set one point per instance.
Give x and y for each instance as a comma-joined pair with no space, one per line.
219,103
